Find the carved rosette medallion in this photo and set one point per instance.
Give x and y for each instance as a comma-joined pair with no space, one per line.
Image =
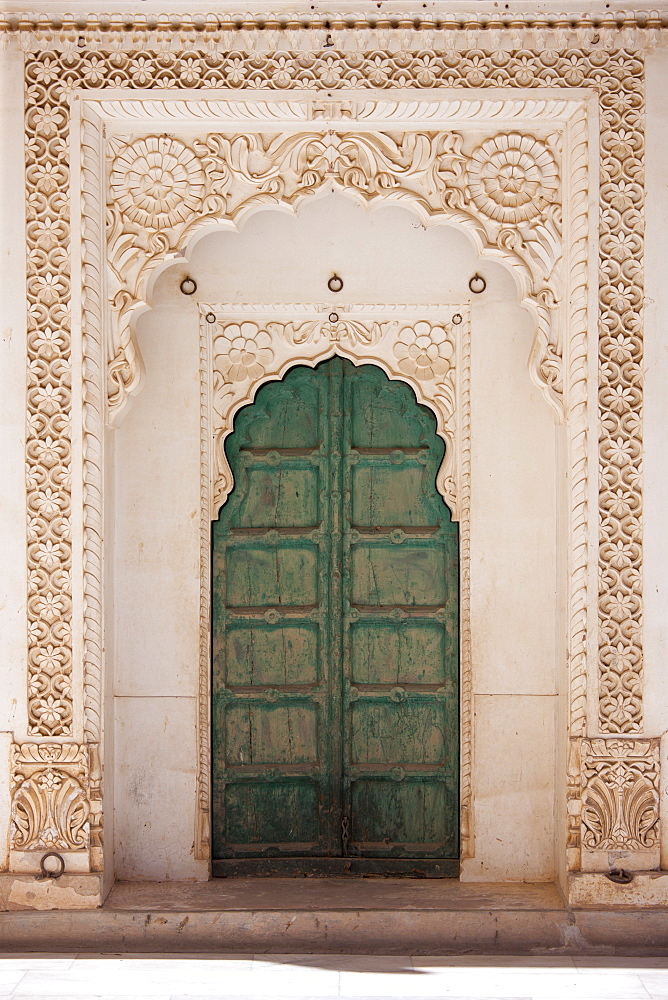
425,351
157,182
50,797
513,178
242,352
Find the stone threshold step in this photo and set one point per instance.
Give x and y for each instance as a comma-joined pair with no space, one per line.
340,916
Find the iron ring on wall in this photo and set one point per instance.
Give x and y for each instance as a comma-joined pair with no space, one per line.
335,284
477,284
46,873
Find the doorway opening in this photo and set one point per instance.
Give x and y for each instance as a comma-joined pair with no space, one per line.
335,635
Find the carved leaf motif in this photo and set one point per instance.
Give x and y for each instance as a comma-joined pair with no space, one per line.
351,332
620,800
50,810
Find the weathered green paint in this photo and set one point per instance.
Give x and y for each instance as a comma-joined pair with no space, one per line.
335,632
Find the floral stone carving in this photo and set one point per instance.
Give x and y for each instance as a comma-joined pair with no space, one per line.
620,800
425,351
50,797
246,353
157,182
513,178
168,188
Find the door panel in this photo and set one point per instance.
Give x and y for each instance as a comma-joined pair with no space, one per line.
273,713
335,631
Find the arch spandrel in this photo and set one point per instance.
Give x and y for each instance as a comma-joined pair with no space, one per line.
425,348
502,187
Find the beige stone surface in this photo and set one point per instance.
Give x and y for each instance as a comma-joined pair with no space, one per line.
514,775
155,788
596,890
333,894
341,916
69,892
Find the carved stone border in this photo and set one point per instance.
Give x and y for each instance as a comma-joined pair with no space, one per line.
615,74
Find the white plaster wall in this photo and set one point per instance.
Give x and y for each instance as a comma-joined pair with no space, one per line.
13,575
514,598
384,255
656,416
156,608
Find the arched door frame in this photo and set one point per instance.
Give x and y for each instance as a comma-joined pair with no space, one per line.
438,164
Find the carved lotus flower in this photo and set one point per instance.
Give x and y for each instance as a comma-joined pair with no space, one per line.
157,182
423,350
512,177
243,352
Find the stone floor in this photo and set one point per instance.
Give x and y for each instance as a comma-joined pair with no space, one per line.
301,977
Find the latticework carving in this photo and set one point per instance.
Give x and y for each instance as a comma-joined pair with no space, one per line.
620,397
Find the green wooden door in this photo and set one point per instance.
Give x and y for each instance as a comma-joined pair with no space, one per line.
335,634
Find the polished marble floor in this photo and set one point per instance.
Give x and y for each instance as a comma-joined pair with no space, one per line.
195,977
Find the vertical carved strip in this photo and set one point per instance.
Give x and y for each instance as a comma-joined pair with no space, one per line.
620,396
202,830
467,846
48,444
93,428
577,407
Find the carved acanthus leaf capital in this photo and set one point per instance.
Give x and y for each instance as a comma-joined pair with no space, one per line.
50,807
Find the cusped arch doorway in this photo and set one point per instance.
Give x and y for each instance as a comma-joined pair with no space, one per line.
335,634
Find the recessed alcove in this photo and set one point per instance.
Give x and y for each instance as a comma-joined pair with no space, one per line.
386,256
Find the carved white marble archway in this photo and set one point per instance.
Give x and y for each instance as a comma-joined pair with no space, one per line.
506,169
580,107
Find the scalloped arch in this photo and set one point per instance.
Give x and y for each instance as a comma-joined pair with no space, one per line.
428,172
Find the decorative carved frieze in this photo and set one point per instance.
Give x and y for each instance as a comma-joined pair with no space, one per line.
620,801
506,189
50,797
412,30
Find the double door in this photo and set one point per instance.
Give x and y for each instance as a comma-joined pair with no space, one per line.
335,634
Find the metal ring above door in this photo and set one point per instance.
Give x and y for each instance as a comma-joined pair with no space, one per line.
335,284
